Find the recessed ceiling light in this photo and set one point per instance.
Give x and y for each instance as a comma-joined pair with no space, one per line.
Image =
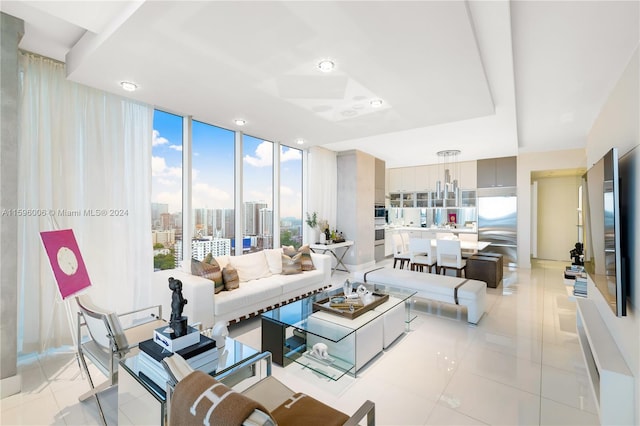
128,86
300,141
326,65
240,122
376,103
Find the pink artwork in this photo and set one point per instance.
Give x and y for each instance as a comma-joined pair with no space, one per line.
66,261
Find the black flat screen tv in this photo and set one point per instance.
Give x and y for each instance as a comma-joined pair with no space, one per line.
602,235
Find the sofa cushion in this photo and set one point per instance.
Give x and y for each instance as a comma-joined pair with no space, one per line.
274,260
210,270
305,251
301,283
222,260
292,265
230,276
251,266
257,293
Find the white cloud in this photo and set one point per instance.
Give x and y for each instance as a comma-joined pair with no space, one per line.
159,168
176,147
173,199
290,154
263,155
157,139
286,191
207,196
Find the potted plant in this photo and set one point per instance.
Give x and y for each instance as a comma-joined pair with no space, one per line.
312,222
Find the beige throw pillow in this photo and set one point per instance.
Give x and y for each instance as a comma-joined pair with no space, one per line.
291,265
274,260
230,276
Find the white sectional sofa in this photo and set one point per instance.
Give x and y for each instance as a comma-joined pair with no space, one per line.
252,297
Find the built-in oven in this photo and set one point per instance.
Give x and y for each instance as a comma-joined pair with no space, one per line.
379,211
379,235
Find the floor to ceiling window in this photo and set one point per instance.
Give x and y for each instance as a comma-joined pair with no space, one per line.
212,190
214,215
257,194
166,190
290,196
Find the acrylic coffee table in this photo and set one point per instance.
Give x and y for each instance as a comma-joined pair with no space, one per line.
290,331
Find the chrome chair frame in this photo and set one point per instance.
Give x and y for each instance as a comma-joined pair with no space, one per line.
106,350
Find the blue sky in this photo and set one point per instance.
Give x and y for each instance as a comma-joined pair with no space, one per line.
212,168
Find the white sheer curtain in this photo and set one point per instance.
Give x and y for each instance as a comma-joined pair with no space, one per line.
323,184
81,151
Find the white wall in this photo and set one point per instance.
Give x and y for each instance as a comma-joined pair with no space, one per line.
530,162
557,216
618,125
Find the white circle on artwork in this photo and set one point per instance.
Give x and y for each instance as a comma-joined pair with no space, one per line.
67,260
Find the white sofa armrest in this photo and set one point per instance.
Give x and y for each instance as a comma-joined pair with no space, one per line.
197,290
323,263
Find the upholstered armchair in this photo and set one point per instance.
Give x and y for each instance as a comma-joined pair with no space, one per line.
197,398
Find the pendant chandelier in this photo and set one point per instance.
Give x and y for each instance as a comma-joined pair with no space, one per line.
448,190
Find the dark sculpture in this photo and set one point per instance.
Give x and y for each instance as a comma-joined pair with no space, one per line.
577,254
177,322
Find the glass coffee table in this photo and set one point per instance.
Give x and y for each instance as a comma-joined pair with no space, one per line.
291,331
141,401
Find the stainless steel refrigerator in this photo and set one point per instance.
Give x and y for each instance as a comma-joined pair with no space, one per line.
497,221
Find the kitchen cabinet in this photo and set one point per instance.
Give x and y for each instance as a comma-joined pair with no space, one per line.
468,175
395,180
422,179
402,179
497,172
379,182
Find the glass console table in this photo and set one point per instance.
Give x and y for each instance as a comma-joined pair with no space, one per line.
290,331
141,401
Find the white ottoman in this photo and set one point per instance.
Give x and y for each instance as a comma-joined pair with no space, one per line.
359,347
393,321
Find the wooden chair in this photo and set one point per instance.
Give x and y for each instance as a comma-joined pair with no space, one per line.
421,254
450,256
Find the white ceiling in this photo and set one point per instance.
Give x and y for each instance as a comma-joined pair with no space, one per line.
490,78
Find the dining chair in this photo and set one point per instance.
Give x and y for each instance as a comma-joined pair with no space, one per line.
449,256
421,254
399,253
405,241
470,238
103,340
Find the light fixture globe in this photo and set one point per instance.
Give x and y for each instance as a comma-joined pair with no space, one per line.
326,65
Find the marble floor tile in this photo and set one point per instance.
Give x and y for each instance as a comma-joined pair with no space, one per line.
520,365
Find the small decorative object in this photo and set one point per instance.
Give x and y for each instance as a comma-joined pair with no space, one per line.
362,290
347,287
320,350
177,322
219,333
327,235
323,238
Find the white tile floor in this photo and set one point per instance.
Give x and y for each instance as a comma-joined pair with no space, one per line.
521,365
